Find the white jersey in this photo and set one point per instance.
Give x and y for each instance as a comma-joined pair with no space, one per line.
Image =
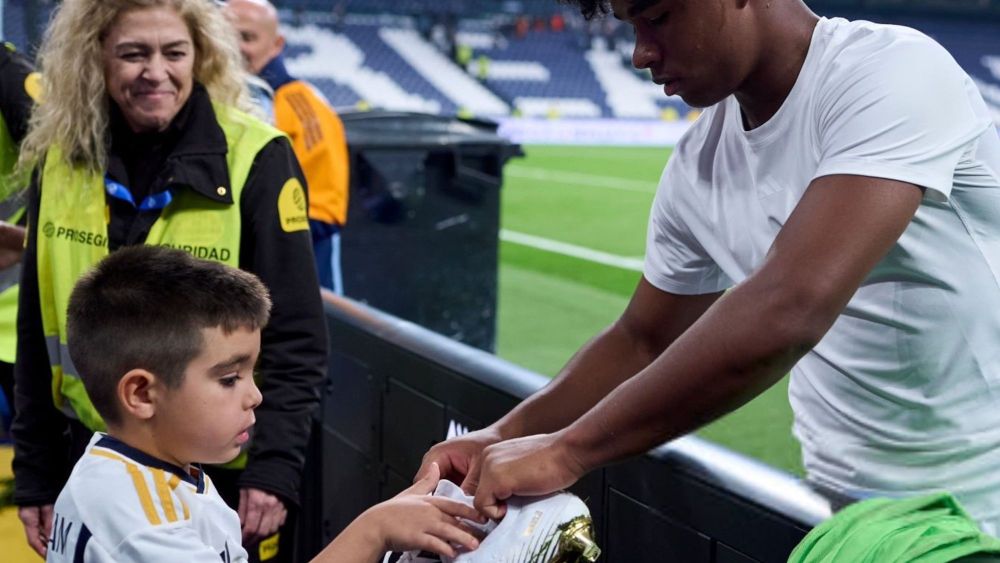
122,505
902,395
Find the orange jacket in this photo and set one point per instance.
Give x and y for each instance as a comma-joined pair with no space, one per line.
318,140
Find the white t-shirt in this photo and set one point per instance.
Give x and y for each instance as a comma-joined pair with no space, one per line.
121,505
902,395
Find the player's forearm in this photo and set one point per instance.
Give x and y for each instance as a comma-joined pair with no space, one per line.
743,345
601,365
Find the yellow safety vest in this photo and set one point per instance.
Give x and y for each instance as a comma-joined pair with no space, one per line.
72,236
11,211
9,277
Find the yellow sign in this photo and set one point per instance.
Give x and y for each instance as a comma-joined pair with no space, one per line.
292,207
269,547
33,86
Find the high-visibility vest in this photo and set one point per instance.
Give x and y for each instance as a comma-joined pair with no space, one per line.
72,236
11,211
9,277
320,145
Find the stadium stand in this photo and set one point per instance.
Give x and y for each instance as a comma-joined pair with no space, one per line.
390,84
627,94
571,81
442,73
401,55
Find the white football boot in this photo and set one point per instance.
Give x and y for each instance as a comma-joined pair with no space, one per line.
556,528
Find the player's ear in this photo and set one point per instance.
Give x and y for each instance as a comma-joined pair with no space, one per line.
137,393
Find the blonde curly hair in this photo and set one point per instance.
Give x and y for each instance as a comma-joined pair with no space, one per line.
74,110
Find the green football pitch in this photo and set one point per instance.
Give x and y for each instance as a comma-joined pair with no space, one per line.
573,234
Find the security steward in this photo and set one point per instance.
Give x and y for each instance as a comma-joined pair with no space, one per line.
19,88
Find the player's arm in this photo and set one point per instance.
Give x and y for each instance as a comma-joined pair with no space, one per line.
652,320
837,234
744,343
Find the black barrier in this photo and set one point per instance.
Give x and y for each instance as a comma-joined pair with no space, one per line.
395,389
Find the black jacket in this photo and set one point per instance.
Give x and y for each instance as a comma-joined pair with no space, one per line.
293,350
15,103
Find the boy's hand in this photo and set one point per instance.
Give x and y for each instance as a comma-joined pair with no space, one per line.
37,522
415,520
261,514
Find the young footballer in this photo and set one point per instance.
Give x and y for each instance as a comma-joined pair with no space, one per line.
843,184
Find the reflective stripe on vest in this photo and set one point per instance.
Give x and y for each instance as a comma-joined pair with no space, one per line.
72,236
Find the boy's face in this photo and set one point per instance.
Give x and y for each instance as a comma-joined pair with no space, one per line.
208,418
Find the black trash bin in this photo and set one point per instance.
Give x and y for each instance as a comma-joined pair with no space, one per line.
421,235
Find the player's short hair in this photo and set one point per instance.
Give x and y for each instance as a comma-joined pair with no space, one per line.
144,307
590,8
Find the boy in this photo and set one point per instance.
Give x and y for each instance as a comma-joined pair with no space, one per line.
166,345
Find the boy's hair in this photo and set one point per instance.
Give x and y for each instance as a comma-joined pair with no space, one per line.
143,307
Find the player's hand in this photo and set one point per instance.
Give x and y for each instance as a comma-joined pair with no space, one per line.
529,466
261,514
413,520
37,522
459,457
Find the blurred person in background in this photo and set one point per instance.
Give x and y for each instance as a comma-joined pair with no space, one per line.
142,139
315,129
833,212
19,90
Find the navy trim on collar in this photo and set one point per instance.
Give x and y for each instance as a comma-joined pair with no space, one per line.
275,73
143,458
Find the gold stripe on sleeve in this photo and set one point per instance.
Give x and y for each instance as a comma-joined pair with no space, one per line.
164,493
173,482
139,482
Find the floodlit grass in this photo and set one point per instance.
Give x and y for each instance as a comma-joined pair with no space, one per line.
550,304
584,196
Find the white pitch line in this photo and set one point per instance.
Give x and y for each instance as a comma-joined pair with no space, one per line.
566,249
577,179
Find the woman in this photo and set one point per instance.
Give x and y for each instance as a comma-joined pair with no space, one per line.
139,140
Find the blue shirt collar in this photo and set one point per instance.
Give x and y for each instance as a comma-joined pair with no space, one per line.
275,73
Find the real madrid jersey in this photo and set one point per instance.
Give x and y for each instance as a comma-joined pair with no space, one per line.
123,505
